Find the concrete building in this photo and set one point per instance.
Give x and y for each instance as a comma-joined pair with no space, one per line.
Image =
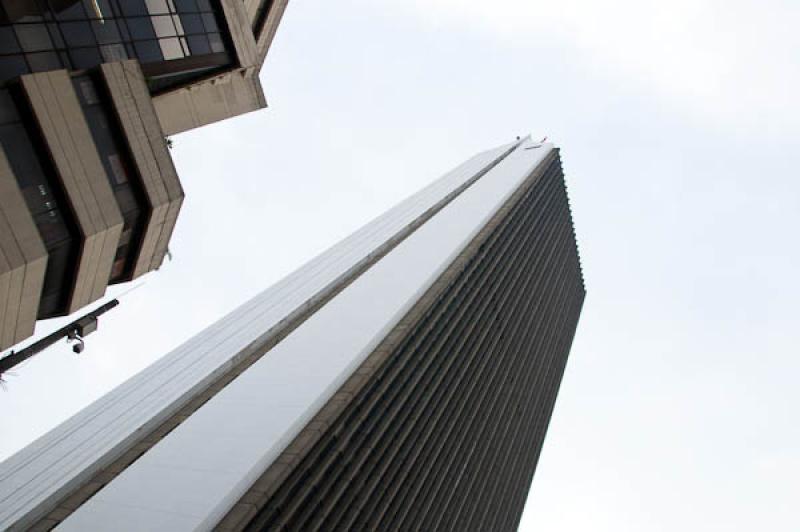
401,380
89,89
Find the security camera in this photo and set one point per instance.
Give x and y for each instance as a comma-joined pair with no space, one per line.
79,347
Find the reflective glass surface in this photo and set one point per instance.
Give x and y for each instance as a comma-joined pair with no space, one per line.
169,37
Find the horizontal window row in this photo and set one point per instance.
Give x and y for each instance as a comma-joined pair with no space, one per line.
79,58
39,37
197,44
38,10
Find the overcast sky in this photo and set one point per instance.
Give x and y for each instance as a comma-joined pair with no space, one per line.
678,123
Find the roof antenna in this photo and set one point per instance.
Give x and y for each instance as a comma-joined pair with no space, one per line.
537,145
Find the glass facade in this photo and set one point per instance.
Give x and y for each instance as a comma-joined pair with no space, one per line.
45,201
172,39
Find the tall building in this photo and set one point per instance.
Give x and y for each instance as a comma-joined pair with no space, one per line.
401,380
89,89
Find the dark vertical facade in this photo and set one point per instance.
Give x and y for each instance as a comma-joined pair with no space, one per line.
446,434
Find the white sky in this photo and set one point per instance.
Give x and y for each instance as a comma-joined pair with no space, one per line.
678,126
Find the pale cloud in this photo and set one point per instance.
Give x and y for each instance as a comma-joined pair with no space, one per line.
678,407
734,61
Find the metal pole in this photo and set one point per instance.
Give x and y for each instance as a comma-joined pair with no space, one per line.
72,330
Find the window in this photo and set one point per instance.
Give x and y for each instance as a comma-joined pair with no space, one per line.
175,40
43,61
118,172
77,34
33,37
106,31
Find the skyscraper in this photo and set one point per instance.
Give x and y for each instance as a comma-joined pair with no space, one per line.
402,380
89,89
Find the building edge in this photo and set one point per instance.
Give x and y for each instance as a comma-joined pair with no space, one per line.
64,500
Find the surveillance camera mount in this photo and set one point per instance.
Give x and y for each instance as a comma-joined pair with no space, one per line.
75,331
